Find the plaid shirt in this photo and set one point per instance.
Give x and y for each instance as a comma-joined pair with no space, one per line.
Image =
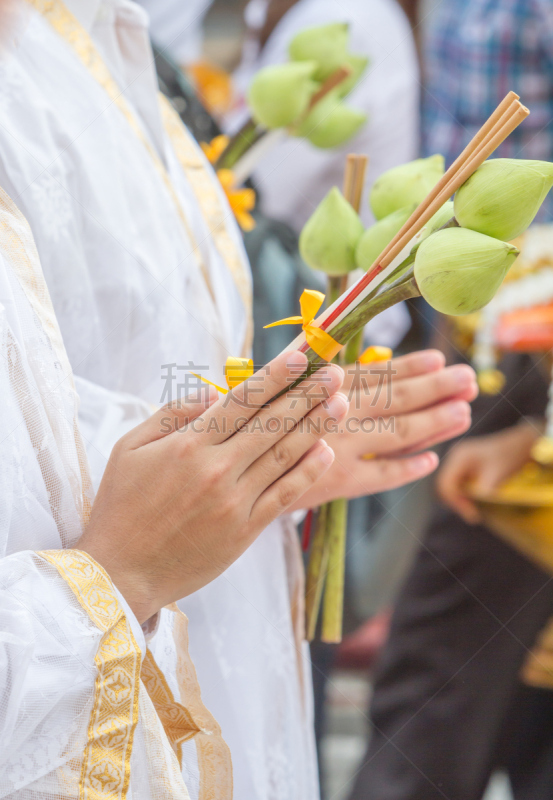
475,52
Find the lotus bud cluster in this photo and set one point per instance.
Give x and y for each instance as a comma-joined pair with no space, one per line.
281,96
458,271
459,259
405,185
329,238
503,196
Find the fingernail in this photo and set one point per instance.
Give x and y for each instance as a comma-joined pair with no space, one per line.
326,453
433,359
337,406
463,377
424,461
326,373
457,412
296,360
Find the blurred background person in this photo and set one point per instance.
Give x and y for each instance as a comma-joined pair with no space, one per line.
295,175
448,705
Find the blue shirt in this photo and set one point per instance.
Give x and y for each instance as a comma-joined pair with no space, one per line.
475,52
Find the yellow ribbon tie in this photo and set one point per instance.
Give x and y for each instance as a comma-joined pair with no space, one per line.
318,340
237,370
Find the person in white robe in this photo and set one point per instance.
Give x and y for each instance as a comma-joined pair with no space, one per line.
98,696
148,278
82,697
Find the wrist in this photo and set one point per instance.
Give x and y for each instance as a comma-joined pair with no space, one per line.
134,586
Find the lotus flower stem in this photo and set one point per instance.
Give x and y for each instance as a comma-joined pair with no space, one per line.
240,143
316,573
335,287
353,347
334,586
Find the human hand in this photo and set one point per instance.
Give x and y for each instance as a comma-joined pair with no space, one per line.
185,493
424,404
485,461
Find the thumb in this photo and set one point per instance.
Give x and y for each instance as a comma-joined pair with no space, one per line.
172,417
452,481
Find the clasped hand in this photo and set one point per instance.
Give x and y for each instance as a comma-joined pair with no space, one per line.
185,493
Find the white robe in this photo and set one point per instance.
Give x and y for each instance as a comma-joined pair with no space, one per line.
79,689
130,297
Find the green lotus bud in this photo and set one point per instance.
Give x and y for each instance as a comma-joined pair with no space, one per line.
357,65
405,185
279,95
379,236
325,44
318,115
340,124
440,218
330,236
458,271
503,196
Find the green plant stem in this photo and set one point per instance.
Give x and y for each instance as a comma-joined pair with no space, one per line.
333,603
316,573
336,285
240,143
353,347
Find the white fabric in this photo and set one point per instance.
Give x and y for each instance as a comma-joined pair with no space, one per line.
48,642
177,26
130,297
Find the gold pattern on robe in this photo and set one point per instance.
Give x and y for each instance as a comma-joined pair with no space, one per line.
106,764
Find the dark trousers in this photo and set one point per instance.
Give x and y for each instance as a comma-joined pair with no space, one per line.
468,614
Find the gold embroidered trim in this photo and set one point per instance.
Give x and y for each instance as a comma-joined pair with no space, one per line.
16,239
72,32
175,718
211,206
106,758
214,759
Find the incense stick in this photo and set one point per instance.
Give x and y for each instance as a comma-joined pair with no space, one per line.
331,83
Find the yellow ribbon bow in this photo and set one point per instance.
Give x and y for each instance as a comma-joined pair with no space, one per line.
237,370
318,340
